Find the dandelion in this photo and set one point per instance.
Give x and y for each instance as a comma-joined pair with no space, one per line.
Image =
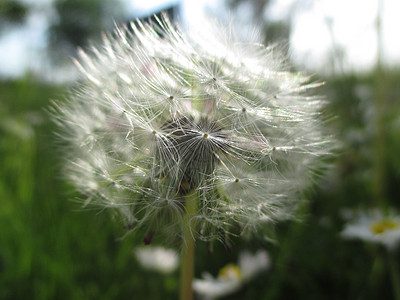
232,277
191,137
375,226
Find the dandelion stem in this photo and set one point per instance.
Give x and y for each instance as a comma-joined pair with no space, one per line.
187,267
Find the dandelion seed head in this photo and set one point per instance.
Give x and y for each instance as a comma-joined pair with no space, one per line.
159,114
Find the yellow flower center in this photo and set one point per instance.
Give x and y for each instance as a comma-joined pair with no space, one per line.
383,226
230,271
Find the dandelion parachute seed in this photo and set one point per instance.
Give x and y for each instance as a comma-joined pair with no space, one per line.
159,115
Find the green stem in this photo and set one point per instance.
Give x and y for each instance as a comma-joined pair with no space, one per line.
394,275
375,274
288,248
187,267
379,169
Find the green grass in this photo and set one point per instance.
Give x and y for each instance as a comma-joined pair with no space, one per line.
51,248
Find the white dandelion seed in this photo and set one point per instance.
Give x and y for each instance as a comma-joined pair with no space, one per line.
159,114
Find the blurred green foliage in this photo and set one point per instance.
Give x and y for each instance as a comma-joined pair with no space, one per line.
80,20
12,11
51,248
272,31
78,23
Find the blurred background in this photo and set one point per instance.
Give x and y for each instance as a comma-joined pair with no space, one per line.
51,248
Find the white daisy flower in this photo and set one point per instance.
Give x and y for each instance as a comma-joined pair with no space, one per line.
375,226
157,259
232,277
